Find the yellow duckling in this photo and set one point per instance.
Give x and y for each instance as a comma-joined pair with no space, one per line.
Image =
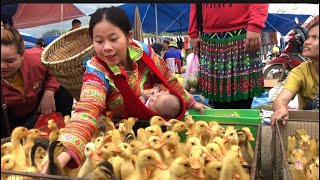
215,151
314,170
190,125
153,130
297,164
179,127
220,142
230,138
292,143
314,149
245,146
159,121
6,148
19,155
203,132
126,167
91,160
32,135
155,143
217,131
172,122
192,141
141,135
55,132
100,141
171,139
213,170
304,144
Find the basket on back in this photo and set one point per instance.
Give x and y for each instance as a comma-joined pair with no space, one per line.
64,58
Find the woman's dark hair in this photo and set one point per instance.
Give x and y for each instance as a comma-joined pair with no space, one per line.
112,14
314,25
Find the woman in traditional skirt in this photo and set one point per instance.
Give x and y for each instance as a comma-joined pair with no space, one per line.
230,64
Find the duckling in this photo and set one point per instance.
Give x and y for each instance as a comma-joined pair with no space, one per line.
147,160
215,151
54,134
217,131
103,171
104,152
8,163
230,138
135,144
297,163
171,139
91,160
314,150
6,148
299,132
116,135
180,169
153,130
179,127
291,145
245,146
213,123
202,131
159,121
248,133
304,144
197,161
54,167
220,142
230,128
100,141
19,155
213,170
38,152
192,141
131,121
155,143
126,167
314,170
32,135
141,135
172,122
190,124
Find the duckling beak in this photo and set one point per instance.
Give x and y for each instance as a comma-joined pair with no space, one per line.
94,156
250,137
42,133
116,150
298,165
209,130
225,139
29,132
122,129
159,164
235,176
145,146
198,173
211,158
166,123
195,163
107,138
3,147
189,132
160,144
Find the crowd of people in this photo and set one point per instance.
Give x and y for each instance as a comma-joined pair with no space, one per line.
127,78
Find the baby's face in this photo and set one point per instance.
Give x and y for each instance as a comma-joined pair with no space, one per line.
157,100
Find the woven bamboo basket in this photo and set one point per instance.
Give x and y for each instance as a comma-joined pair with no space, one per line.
64,58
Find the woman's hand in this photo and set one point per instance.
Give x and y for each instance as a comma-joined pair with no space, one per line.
253,41
64,158
47,103
195,44
281,113
200,107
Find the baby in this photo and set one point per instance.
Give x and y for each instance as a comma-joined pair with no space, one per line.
161,102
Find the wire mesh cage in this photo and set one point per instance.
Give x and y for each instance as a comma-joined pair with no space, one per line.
280,133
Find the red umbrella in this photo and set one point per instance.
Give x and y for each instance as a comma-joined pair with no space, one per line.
31,15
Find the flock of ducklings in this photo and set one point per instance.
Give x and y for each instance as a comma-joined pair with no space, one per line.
210,152
303,155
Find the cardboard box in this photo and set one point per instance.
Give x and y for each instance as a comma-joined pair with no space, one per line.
271,83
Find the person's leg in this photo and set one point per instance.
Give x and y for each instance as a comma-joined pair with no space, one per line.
64,101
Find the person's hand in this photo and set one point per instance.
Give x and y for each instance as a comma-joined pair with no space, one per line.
200,107
195,44
281,113
47,103
63,158
253,41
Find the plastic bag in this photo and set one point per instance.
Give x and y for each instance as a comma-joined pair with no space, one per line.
192,73
42,122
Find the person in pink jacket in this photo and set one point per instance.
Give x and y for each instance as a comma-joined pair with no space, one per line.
230,66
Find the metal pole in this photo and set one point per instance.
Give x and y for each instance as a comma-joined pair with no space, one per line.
61,17
156,14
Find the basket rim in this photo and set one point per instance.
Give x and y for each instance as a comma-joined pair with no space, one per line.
45,51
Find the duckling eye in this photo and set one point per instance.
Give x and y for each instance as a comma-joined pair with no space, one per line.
106,147
185,164
7,161
125,147
168,136
316,165
132,146
192,144
231,134
151,131
201,125
149,157
218,169
87,149
98,140
154,140
211,149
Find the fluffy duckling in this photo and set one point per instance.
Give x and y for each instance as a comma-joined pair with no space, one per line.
55,132
220,142
19,155
38,152
126,167
171,139
159,121
141,135
245,146
248,133
230,128
104,152
155,143
104,171
299,132
213,170
153,130
217,130
135,144
314,170
32,135
192,141
100,141
180,169
179,127
91,160
230,138
131,121
116,135
8,163
190,124
213,123
54,167
122,130
202,131
172,122
304,144
291,145
314,149
147,160
215,151
297,163
197,159
6,148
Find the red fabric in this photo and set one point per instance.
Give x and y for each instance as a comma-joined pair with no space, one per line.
36,78
134,106
31,15
227,17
